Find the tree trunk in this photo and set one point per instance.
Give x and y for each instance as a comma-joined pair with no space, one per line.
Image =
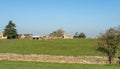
110,59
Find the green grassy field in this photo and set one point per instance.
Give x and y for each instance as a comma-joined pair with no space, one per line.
40,65
71,47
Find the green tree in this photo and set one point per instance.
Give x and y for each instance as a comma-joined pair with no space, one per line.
57,33
82,35
109,43
10,31
76,35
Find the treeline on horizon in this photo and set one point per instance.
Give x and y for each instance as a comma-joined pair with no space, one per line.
10,32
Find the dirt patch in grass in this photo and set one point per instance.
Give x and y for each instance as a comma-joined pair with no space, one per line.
56,59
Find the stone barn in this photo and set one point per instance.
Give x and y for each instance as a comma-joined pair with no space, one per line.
67,36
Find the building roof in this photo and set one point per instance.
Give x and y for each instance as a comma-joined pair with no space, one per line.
35,36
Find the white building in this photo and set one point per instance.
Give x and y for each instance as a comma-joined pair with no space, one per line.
35,37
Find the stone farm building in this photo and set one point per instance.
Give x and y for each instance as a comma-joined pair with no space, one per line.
25,36
67,36
30,36
64,36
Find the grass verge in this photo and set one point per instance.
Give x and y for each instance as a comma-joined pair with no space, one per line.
40,65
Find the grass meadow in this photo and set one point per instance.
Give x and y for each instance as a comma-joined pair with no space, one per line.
42,65
64,47
67,47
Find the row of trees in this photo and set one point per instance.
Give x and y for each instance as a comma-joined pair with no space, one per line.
11,32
